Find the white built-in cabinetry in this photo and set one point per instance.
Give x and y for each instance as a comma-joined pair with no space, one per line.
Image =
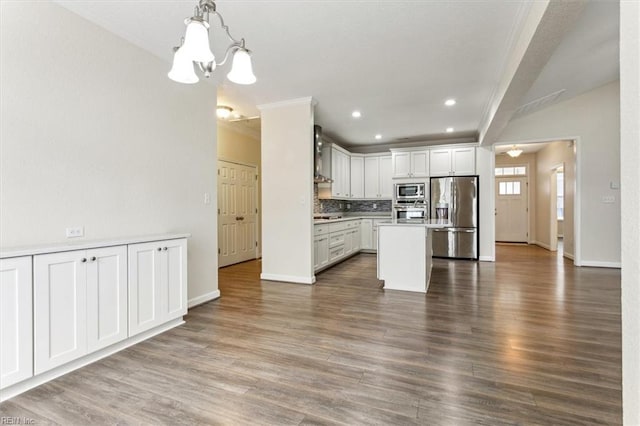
80,301
157,283
377,177
357,176
340,173
453,161
410,164
16,317
88,301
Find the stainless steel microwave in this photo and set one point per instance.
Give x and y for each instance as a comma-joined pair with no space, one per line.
410,191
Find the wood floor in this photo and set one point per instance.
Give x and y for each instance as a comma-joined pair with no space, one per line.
526,340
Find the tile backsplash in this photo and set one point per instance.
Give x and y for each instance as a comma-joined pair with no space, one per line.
344,206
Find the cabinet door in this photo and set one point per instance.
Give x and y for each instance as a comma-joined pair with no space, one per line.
357,177
356,239
440,162
386,179
346,174
145,286
366,233
371,177
322,251
174,276
60,304
464,161
348,242
106,296
16,329
336,173
420,164
401,164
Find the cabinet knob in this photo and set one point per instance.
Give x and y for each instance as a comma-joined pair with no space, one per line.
159,248
164,248
84,259
93,258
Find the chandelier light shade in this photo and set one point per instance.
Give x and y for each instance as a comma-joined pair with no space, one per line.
241,69
195,47
182,69
514,152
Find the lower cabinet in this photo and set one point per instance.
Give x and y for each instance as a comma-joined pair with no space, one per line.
335,241
16,329
157,283
320,251
80,304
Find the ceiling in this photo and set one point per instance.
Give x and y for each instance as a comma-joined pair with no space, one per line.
395,61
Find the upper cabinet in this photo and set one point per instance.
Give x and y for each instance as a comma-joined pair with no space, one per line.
453,161
377,177
357,176
340,173
409,164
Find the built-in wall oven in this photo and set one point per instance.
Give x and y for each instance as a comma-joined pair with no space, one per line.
410,211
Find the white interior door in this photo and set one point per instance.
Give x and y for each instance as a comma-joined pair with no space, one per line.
237,206
512,209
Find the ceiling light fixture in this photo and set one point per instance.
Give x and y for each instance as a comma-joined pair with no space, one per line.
194,47
449,129
514,152
356,114
378,136
223,112
450,102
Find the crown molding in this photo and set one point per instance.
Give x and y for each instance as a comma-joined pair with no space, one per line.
309,100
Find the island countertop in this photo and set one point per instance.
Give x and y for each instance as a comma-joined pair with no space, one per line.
423,223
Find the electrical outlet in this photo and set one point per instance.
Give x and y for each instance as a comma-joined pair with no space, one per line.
340,205
75,232
375,206
348,206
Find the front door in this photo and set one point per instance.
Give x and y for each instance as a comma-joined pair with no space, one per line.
237,207
511,209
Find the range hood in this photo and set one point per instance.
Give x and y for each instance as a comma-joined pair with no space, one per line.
318,177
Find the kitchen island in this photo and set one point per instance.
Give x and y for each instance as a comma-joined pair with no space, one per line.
404,253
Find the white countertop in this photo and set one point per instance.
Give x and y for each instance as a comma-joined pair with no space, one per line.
425,223
84,244
354,217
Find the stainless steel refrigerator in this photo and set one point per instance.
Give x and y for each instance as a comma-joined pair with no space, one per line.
456,198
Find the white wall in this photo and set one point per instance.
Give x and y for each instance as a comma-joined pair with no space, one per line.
485,164
594,118
287,191
630,174
552,155
94,134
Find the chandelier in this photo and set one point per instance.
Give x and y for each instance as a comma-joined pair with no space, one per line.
194,47
514,152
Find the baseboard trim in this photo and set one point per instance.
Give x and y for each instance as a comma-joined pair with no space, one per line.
543,245
487,259
568,256
207,297
288,278
599,264
47,376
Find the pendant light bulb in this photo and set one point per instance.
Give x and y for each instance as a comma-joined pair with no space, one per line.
196,42
241,68
182,69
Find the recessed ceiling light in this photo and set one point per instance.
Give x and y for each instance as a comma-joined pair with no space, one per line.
378,136
450,102
356,114
449,129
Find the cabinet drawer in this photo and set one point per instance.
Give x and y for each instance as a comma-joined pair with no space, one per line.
321,229
336,253
336,239
353,224
338,226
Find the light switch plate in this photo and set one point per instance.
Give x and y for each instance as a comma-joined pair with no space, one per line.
608,199
75,232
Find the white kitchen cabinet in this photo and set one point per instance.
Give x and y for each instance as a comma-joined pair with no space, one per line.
377,181
80,301
357,176
453,161
16,327
320,251
157,283
410,164
366,234
340,173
